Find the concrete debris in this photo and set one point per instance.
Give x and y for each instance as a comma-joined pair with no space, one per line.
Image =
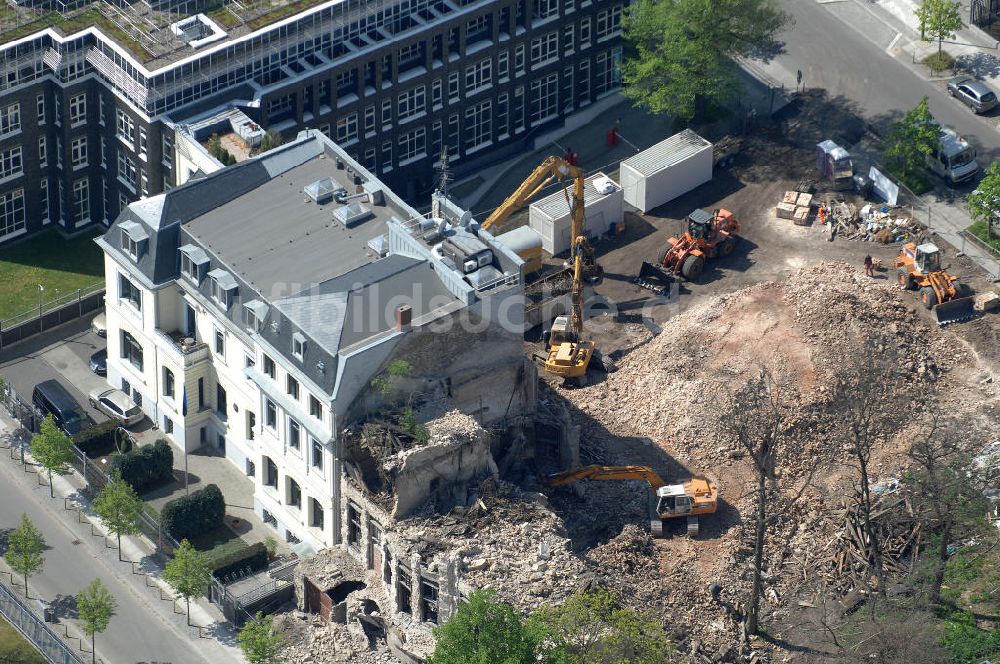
873,223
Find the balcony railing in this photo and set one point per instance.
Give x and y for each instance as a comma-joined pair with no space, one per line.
189,350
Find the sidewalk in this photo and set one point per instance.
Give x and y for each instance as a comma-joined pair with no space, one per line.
140,581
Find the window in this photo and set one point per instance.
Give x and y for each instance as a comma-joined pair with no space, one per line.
298,345
250,317
317,455
125,127
104,152
270,479
411,103
223,288
412,145
127,172
478,76
501,115
220,342
370,160
544,98
269,367
453,134
386,112
292,387
251,425
59,151
347,128
270,414
58,114
519,59
81,201
168,425
437,140
370,120
40,108
609,22
436,94
503,60
386,156
583,91
78,152
248,361
544,49
129,292
478,125
190,268
11,212
404,598
43,156
168,151
585,32
294,434
77,109
477,29
130,245
315,407
10,119
429,600
453,86
131,350
220,402
44,200
353,524
100,110
608,72
142,142
316,514
168,383
568,33
11,163
546,8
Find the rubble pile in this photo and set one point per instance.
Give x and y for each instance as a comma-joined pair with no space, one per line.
873,224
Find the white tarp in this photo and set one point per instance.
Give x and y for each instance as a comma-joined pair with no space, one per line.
883,186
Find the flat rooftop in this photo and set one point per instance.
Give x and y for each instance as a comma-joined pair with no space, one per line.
281,241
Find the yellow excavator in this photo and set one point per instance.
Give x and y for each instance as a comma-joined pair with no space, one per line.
689,499
568,354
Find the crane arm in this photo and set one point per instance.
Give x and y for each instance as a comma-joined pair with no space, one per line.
596,472
553,169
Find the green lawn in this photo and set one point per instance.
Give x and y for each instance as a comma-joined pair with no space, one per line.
60,265
979,230
14,649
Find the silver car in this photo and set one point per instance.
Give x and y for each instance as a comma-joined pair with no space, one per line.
975,94
100,325
116,404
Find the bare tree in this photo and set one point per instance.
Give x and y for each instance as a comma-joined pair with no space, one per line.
947,490
871,406
757,418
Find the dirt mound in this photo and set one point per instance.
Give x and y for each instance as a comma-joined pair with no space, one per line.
631,552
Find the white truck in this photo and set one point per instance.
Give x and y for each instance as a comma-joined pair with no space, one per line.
953,159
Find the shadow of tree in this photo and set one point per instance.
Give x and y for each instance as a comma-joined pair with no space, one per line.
980,65
65,606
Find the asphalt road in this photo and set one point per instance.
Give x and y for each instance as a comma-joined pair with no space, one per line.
138,633
841,48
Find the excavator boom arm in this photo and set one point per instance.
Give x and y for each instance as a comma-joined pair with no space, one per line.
550,170
619,473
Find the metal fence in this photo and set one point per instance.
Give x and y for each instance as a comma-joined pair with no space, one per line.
51,313
34,629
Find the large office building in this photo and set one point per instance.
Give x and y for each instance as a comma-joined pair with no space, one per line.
94,96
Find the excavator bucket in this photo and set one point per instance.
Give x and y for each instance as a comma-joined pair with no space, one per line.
654,277
955,310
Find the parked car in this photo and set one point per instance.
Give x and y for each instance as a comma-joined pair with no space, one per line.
53,399
100,324
975,94
116,404
99,362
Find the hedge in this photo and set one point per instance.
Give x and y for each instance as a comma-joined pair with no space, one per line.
99,439
192,515
146,466
254,556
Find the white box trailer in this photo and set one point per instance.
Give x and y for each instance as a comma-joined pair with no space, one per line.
666,170
603,208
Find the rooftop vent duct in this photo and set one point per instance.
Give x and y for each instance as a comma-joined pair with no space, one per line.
321,191
353,214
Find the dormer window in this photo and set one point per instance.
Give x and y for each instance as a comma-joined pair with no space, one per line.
194,263
134,239
253,314
224,287
298,345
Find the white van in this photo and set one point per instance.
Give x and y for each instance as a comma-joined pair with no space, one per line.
953,159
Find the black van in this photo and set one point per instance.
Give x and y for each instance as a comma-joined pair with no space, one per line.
52,398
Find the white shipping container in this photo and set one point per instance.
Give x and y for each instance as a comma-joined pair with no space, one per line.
550,216
666,170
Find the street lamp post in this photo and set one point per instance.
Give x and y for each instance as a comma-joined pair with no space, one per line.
41,289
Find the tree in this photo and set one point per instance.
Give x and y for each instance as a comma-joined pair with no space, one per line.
910,141
484,631
272,139
25,547
53,449
593,627
946,491
187,573
684,49
120,508
96,606
260,642
984,202
939,19
756,418
870,411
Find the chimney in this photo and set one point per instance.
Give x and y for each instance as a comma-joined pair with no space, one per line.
404,314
